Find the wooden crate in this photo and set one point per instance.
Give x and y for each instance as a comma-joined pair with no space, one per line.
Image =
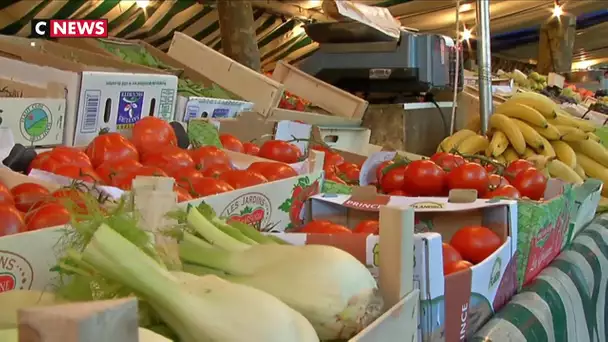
183,71
248,84
324,95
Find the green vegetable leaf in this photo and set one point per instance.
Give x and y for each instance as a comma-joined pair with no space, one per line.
203,133
332,187
286,206
206,210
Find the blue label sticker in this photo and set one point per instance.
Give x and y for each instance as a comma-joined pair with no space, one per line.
220,113
192,112
130,106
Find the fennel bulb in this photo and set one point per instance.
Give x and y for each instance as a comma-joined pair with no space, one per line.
145,335
330,287
198,309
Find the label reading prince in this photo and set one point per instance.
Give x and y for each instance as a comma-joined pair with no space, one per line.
130,106
36,122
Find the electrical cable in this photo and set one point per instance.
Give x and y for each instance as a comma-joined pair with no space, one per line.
456,74
429,97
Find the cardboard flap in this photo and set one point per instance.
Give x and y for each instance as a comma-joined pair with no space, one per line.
366,198
14,89
313,118
462,196
248,126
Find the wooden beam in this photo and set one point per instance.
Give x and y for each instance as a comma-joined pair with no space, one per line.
238,32
291,10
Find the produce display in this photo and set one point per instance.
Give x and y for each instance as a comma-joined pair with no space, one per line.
136,54
532,127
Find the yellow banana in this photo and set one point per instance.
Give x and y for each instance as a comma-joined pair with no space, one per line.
510,155
570,120
547,149
503,123
593,169
565,153
473,144
451,142
594,137
528,153
531,136
570,133
592,149
550,132
501,159
498,144
579,170
558,169
522,112
541,103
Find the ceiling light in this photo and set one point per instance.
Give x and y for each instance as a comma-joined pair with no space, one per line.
465,8
142,3
558,11
466,34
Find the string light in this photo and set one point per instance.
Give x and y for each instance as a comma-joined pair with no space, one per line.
142,3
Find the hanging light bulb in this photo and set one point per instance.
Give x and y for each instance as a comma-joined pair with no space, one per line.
558,11
466,34
142,3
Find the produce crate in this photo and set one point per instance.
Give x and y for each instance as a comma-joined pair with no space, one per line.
320,94
249,85
100,92
453,307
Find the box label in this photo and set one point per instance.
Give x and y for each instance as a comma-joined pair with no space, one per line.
130,105
16,272
36,122
253,208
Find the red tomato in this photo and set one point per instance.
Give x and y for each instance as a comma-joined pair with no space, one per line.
209,186
37,162
516,167
251,148
5,195
334,178
206,156
447,161
28,194
531,183
332,158
368,227
70,198
168,158
423,178
125,179
351,175
495,181
508,191
393,179
46,216
346,166
475,243
185,176
281,151
469,176
60,156
85,174
380,169
450,254
110,169
398,193
182,194
110,147
12,221
231,143
456,266
151,133
214,171
239,179
323,227
273,171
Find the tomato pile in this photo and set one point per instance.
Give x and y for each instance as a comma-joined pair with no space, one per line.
445,171
469,246
113,160
337,169
31,206
327,227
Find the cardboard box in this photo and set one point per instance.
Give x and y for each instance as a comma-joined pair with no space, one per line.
187,106
97,96
586,199
249,85
543,229
323,95
34,115
451,307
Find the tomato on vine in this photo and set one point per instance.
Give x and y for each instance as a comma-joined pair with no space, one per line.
516,167
424,178
507,190
447,161
469,176
531,183
393,179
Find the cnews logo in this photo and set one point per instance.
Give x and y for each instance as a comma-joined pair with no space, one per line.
56,28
